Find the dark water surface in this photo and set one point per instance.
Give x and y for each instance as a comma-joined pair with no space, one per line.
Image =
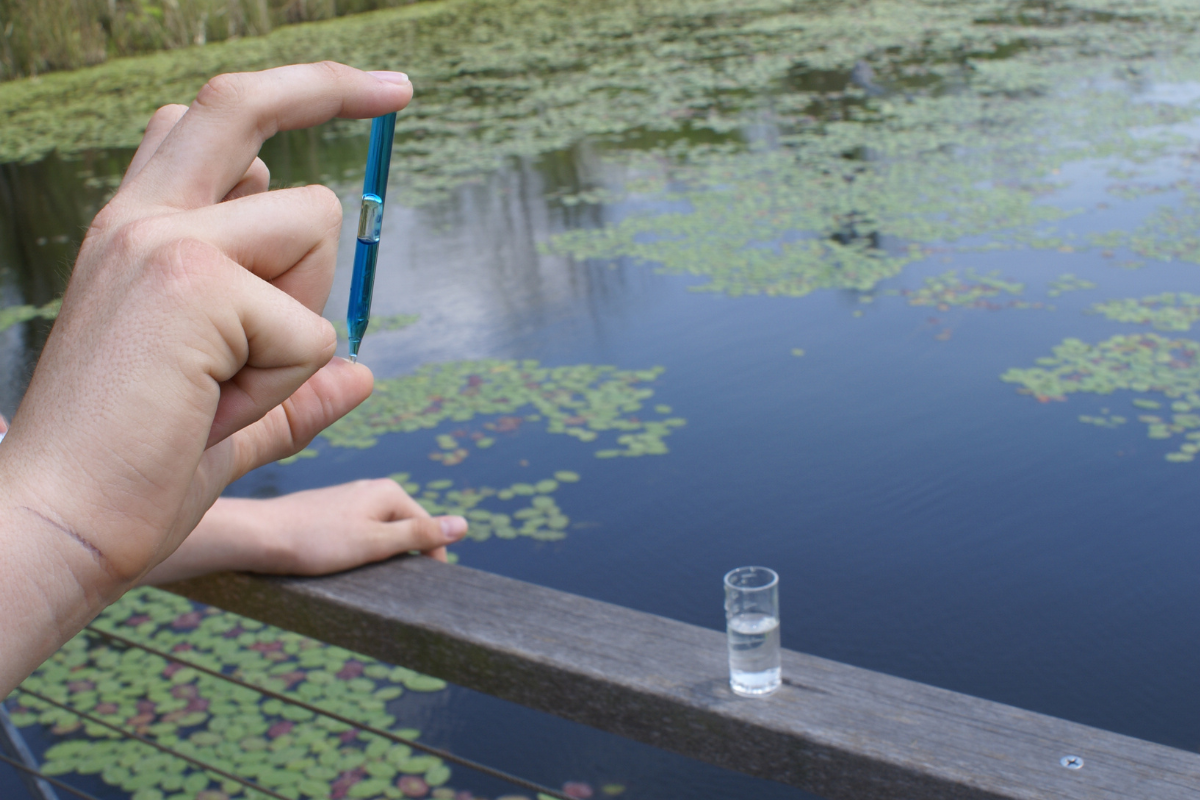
927,519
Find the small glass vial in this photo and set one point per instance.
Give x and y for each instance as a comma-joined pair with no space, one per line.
752,628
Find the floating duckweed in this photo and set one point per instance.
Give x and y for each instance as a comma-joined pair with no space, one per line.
380,324
565,476
1140,362
1068,283
1169,311
970,291
540,519
15,315
582,401
283,747
307,452
1170,234
979,107
1114,421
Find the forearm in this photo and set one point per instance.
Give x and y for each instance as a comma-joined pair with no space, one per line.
232,535
313,532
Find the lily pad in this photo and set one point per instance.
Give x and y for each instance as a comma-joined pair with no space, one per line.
1142,363
580,401
239,729
1169,311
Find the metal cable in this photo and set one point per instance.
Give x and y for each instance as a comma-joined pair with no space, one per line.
130,735
12,762
13,743
445,755
15,764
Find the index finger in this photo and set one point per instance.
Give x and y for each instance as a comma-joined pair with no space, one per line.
210,149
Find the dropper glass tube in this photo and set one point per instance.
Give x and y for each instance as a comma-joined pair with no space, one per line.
370,223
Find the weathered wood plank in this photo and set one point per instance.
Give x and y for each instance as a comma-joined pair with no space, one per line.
832,729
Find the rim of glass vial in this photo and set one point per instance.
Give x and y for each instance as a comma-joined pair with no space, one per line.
766,571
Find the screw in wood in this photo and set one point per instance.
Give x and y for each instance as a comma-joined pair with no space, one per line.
1071,762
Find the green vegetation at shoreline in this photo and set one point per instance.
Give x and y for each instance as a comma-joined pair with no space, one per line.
525,77
40,36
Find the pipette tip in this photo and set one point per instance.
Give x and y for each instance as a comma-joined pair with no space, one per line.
354,358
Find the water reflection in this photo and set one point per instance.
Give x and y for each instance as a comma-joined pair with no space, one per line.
471,264
476,270
45,209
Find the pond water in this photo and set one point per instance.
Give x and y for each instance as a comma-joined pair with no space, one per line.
896,300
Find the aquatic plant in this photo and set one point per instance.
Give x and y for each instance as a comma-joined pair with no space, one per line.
283,747
970,291
539,518
582,401
1068,283
397,322
526,77
1169,311
1143,363
15,315
848,200
1170,233
965,138
1104,420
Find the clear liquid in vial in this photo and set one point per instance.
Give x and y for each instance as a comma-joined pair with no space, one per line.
753,654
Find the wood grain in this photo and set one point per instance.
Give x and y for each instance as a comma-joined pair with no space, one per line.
832,729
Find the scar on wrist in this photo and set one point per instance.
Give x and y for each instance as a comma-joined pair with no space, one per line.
95,552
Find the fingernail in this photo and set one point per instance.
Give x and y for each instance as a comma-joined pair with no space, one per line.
348,362
453,528
398,78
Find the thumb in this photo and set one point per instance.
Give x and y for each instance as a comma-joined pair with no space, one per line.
324,398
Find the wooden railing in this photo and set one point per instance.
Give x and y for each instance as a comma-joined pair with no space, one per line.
832,729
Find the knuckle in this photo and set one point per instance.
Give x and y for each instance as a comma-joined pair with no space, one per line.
179,265
332,68
134,236
221,91
167,115
384,485
324,201
106,218
260,170
326,341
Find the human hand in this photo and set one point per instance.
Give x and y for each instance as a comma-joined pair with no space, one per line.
189,350
313,532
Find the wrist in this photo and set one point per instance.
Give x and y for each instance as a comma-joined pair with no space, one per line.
234,534
236,531
52,582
